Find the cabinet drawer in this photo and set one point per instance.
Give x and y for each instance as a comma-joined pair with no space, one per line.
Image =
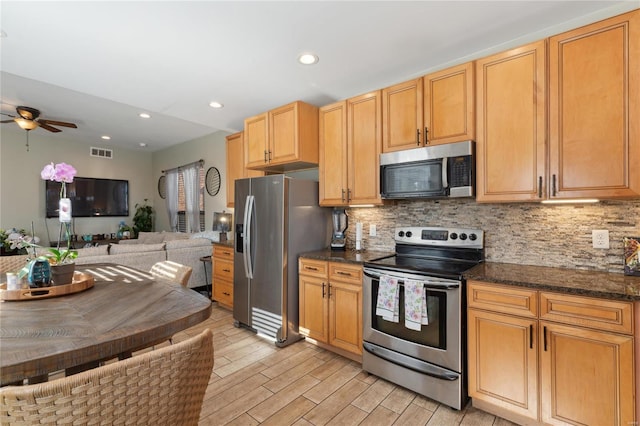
602,314
223,269
223,293
345,272
500,298
312,268
222,251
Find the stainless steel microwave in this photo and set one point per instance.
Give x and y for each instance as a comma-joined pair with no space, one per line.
437,171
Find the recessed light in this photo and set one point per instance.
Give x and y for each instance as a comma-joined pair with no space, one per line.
216,105
144,115
308,59
142,144
105,137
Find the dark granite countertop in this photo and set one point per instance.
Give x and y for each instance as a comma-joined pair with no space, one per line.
573,281
347,256
228,243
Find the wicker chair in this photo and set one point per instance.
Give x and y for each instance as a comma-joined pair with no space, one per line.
172,271
160,387
12,264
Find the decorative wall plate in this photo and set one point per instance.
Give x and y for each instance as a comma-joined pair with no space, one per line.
162,187
212,181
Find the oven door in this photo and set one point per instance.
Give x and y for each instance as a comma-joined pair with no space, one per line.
439,342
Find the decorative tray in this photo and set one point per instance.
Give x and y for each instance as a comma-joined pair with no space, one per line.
81,281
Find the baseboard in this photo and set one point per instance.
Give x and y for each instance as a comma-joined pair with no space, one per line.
504,413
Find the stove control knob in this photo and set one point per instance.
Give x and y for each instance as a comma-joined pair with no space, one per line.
473,237
401,234
463,236
409,234
453,236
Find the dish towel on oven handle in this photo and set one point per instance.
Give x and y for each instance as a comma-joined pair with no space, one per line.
415,305
388,295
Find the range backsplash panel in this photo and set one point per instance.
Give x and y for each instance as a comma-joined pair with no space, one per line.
525,233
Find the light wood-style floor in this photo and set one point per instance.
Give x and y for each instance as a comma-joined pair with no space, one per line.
253,382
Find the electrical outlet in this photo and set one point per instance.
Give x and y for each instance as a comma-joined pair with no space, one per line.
600,238
372,230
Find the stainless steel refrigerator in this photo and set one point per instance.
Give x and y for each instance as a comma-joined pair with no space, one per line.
276,219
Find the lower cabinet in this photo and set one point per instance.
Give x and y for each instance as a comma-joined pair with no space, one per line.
571,363
330,296
222,279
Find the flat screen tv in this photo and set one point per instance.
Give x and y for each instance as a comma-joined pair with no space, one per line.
90,197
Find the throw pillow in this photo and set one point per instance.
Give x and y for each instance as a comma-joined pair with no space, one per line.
135,248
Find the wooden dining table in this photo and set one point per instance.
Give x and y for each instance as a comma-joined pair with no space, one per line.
126,310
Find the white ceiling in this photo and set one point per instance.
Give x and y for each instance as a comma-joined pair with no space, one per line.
99,64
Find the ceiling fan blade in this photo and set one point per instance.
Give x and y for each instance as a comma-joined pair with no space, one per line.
7,121
28,113
57,123
8,115
47,127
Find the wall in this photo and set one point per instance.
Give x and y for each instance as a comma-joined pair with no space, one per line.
531,234
22,189
211,149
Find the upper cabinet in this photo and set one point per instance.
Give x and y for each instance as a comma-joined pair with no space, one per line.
283,139
350,146
449,106
235,165
434,109
592,93
510,144
594,126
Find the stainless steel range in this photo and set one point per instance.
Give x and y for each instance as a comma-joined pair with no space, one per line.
415,311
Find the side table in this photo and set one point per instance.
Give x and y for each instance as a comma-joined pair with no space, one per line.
205,260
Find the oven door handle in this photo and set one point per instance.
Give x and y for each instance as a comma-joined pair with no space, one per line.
410,363
428,283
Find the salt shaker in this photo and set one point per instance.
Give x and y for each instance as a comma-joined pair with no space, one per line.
12,281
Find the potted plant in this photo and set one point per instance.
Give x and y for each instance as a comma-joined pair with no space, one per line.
143,218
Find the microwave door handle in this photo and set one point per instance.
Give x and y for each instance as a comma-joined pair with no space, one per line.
445,172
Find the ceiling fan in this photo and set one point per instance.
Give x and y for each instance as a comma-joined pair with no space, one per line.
28,119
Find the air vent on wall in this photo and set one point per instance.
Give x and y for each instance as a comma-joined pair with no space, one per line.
101,152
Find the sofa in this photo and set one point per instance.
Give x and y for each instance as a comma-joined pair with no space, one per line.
151,247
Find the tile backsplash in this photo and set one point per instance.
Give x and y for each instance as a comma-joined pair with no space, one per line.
525,233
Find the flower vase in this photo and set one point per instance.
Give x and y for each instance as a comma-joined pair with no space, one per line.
63,273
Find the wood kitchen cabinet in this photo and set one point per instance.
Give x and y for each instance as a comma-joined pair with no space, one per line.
434,109
350,146
222,275
331,305
594,105
235,165
283,139
511,125
550,358
591,98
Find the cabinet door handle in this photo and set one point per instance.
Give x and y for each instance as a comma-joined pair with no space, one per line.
544,335
418,137
553,186
348,194
310,268
226,294
269,155
539,186
348,274
343,195
323,290
426,133
530,336
265,155
329,288
226,270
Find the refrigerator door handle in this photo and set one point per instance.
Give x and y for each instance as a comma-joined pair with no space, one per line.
248,217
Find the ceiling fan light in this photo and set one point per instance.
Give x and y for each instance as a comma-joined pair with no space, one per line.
308,59
26,124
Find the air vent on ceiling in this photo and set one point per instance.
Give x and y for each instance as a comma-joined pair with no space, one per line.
101,152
